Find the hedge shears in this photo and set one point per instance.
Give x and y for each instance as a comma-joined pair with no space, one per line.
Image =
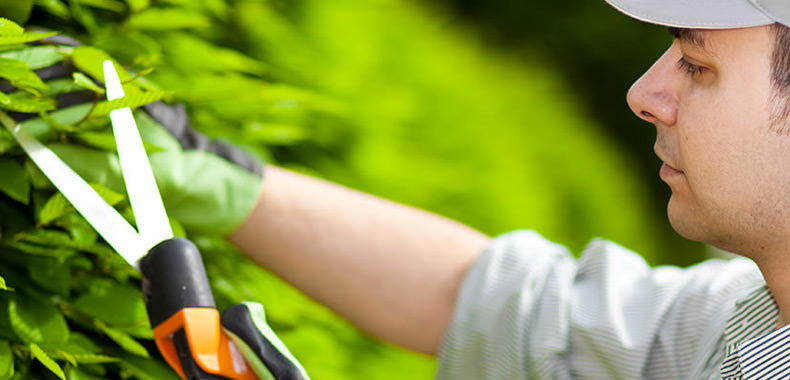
181,309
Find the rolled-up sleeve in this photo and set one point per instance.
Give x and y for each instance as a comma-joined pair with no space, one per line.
529,310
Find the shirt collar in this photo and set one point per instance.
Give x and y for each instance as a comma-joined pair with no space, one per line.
755,348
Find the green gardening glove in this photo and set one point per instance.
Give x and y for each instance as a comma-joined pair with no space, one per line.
207,186
206,192
263,351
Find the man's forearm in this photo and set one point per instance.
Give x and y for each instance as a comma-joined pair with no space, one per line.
392,270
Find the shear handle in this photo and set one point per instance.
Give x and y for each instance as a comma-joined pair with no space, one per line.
181,310
174,279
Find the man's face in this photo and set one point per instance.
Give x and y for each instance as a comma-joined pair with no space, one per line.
728,167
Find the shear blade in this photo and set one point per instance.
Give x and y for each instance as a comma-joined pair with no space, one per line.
104,219
149,212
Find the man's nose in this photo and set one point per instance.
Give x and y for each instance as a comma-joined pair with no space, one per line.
654,96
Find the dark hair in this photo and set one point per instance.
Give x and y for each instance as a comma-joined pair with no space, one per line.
780,77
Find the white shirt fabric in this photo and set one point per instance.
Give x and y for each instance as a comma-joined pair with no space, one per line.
529,310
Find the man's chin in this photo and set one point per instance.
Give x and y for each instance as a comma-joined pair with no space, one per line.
688,225
683,230
682,222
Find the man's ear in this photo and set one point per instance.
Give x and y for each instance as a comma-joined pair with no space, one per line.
780,112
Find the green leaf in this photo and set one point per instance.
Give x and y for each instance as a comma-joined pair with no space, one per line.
53,274
6,332
99,140
80,344
80,350
91,60
21,102
106,141
75,373
6,361
138,5
13,39
2,284
124,341
55,207
110,5
15,183
46,237
37,322
112,198
82,80
44,359
131,46
58,240
92,165
61,86
82,233
133,98
55,7
81,263
37,57
178,228
144,369
275,134
41,128
58,205
183,47
167,19
118,305
84,16
20,75
18,10
35,249
84,358
9,27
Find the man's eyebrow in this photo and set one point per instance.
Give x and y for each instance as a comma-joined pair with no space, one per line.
691,36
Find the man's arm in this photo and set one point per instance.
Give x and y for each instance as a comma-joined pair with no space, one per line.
391,270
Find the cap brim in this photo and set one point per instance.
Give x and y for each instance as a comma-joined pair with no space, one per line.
697,14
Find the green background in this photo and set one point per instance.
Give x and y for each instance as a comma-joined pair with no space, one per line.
499,114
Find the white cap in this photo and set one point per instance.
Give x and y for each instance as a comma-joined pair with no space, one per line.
706,14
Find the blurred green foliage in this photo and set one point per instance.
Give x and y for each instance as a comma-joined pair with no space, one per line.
399,98
599,53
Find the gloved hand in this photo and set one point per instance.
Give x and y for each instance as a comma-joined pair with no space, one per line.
263,351
207,186
205,191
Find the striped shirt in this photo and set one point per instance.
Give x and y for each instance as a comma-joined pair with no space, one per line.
529,310
755,348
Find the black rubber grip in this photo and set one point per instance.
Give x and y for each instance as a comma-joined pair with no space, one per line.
174,279
237,319
192,370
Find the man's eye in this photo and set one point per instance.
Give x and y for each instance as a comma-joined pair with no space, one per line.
689,68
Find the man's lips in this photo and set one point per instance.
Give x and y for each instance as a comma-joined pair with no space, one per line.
667,171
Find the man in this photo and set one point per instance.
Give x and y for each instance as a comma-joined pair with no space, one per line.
524,308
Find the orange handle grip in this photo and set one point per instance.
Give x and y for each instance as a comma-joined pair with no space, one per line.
208,345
